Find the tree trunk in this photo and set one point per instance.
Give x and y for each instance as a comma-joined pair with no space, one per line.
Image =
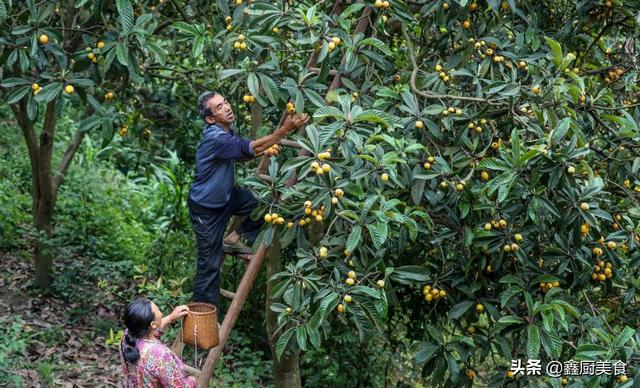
286,370
46,201
41,253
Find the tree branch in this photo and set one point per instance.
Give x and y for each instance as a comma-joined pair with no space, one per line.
414,73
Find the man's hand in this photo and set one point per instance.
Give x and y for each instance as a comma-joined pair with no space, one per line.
293,122
290,123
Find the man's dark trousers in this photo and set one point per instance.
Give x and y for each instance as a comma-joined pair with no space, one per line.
210,225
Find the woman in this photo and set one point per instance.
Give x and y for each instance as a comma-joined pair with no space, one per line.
147,362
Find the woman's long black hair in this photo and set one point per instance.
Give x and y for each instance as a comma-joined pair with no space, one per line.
137,318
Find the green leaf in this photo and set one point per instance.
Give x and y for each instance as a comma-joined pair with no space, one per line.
426,351
364,290
270,88
301,336
198,46
49,92
374,116
328,112
351,9
122,53
252,84
90,123
354,238
533,341
82,82
11,82
556,50
377,43
409,274
18,94
515,146
226,73
378,234
3,11
267,237
125,10
510,320
508,294
560,130
567,307
283,341
623,337
314,337
458,310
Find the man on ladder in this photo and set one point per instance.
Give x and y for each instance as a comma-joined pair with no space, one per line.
214,197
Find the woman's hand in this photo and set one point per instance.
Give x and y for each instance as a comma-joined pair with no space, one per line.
178,312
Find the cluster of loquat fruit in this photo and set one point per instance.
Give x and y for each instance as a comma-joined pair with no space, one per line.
351,278
109,96
273,218
123,130
584,229
36,88
429,163
228,20
498,224
248,98
334,43
522,65
432,293
613,74
452,110
317,214
240,44
274,150
602,271
382,4
320,169
477,126
334,200
443,75
544,287
291,108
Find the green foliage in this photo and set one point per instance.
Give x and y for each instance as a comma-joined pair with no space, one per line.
497,162
12,346
14,189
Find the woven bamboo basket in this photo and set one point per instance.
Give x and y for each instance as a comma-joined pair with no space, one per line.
200,326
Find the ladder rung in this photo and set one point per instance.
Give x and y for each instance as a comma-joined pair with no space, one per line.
232,250
227,294
289,143
192,371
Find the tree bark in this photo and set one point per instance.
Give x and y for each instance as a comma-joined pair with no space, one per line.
44,213
286,370
28,131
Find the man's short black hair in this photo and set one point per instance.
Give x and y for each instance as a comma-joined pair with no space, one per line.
203,110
